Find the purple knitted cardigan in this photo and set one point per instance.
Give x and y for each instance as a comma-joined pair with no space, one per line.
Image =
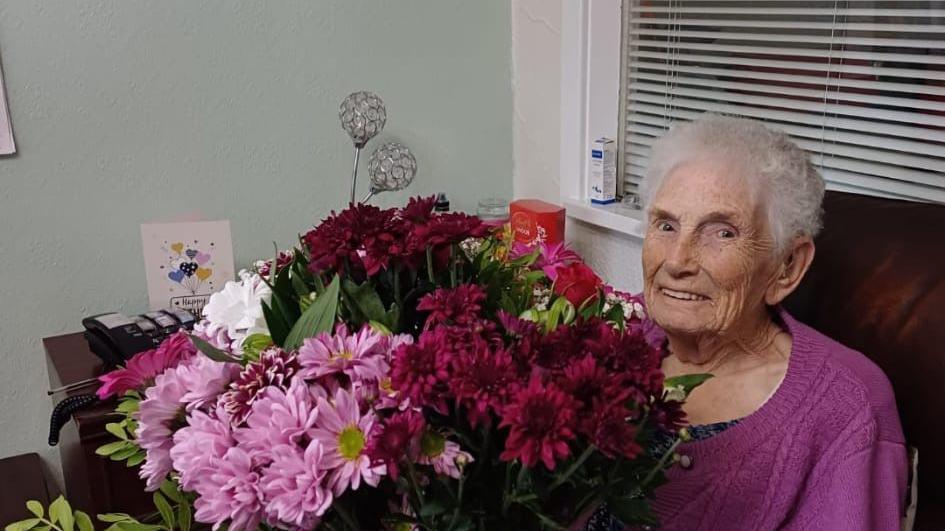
825,452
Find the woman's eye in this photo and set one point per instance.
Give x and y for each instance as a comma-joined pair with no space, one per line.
726,234
664,226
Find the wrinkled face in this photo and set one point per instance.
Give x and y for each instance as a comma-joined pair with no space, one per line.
707,254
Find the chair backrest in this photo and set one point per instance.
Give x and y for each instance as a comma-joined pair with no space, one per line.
877,284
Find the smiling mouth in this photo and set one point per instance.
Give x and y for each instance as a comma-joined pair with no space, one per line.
682,295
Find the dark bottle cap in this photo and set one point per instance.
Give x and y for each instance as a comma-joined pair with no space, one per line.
442,203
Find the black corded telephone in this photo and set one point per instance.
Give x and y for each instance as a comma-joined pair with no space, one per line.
115,337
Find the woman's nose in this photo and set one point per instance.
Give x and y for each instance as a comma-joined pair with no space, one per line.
681,258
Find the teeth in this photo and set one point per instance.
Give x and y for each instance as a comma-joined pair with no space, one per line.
682,295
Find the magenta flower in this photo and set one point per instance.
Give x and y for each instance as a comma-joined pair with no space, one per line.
483,379
206,437
540,419
552,257
142,368
398,438
360,356
279,418
274,368
294,485
229,491
344,432
421,372
458,306
156,416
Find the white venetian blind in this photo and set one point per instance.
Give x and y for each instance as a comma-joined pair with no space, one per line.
859,84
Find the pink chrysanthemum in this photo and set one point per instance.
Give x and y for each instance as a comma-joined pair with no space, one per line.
157,415
294,485
229,492
184,388
541,419
274,368
360,356
344,432
396,439
140,370
279,417
444,455
206,437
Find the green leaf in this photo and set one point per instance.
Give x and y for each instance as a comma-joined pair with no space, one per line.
184,517
254,344
137,526
127,406
364,300
276,324
42,528
136,459
36,508
318,318
22,525
117,430
686,382
171,491
301,288
164,508
210,351
83,521
121,455
285,307
115,517
60,511
110,448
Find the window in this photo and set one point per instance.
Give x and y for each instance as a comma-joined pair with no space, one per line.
859,84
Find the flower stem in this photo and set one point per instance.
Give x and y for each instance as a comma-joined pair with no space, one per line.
573,468
417,491
345,515
430,265
661,464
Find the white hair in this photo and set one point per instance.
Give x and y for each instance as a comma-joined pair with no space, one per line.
793,188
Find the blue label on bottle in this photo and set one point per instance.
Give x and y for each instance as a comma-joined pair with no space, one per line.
597,154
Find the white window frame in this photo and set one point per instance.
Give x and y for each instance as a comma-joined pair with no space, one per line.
591,49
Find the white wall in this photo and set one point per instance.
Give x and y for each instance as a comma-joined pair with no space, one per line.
536,79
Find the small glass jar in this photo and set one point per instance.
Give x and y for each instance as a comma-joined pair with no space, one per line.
493,211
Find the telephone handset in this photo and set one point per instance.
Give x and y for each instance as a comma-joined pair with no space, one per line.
114,337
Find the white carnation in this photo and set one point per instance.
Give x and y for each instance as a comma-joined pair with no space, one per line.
238,308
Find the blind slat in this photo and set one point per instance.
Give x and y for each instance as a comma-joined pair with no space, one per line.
866,85
834,93
816,106
812,11
824,38
798,130
791,24
790,65
835,56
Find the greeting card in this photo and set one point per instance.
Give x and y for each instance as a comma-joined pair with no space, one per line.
7,146
186,262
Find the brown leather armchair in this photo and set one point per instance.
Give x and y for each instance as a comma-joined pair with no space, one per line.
877,284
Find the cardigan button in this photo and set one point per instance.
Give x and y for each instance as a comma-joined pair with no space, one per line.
685,461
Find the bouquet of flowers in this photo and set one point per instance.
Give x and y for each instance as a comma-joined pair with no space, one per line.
401,369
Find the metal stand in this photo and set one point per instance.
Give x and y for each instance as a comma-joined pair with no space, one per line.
354,172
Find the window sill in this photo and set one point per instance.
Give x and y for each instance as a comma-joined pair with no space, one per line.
616,216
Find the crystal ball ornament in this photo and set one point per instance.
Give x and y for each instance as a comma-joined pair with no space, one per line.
392,167
363,116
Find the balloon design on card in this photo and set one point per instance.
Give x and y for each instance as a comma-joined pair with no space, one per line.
188,265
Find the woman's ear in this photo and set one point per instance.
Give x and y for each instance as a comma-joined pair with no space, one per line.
791,270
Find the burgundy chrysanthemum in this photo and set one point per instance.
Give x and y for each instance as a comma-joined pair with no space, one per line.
483,379
450,227
541,420
419,210
283,258
458,306
275,367
362,236
398,438
668,415
609,429
420,371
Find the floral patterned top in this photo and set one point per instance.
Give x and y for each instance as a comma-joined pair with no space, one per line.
603,520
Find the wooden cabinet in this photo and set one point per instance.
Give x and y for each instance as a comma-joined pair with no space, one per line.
93,483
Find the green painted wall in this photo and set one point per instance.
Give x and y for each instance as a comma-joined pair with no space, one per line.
131,111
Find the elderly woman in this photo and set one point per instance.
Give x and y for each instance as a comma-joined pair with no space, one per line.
795,431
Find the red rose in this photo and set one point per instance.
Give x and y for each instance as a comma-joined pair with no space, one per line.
577,283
